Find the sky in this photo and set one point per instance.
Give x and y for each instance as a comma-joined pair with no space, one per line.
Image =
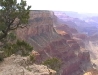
81,6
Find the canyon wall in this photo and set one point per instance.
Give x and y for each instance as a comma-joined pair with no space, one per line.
53,42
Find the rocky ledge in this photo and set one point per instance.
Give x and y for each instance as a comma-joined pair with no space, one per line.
17,65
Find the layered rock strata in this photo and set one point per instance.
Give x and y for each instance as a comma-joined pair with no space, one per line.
52,43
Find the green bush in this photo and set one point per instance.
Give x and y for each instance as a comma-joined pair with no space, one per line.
32,58
53,63
20,47
11,36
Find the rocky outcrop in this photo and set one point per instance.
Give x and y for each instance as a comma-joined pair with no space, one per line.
53,42
92,72
17,65
67,29
40,22
64,34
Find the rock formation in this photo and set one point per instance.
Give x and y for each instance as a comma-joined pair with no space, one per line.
50,42
17,65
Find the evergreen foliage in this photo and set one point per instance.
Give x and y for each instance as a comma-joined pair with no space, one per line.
12,16
53,63
20,47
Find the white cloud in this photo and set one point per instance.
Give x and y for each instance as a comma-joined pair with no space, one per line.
90,6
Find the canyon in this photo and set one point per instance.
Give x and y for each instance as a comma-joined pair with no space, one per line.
87,28
52,37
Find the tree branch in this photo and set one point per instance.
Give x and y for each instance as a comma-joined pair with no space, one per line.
3,36
5,32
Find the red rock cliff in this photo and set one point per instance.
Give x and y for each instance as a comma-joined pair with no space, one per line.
44,38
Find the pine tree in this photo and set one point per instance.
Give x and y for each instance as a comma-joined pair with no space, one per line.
12,16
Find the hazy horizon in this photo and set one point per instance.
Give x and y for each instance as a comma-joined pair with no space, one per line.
80,6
